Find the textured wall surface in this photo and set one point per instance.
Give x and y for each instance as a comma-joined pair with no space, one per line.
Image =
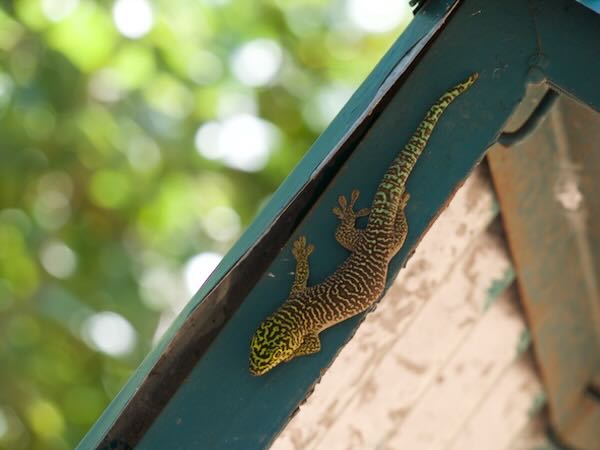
443,363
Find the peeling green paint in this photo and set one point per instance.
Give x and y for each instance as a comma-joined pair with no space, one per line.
498,286
524,342
538,403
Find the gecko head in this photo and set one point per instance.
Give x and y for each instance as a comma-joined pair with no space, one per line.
274,342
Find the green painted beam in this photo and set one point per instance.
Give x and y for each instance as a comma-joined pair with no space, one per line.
594,5
568,56
194,390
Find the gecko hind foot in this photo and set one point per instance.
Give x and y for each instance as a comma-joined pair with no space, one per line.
345,211
346,232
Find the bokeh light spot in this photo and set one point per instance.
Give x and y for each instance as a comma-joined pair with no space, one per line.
377,16
134,64
198,269
207,140
58,259
3,424
328,102
133,18
143,154
16,265
105,85
169,96
242,141
231,103
204,67
6,88
304,19
161,288
56,10
11,31
39,122
51,209
247,142
110,189
109,333
257,63
13,434
86,36
45,419
59,181
222,223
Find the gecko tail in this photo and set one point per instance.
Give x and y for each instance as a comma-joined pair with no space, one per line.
393,183
406,160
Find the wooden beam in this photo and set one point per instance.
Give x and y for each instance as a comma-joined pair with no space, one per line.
548,186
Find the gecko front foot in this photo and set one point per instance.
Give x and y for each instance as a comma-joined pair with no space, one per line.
310,344
301,250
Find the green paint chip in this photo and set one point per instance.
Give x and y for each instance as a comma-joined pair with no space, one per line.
538,403
498,286
524,341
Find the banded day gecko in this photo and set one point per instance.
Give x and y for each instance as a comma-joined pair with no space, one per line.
293,329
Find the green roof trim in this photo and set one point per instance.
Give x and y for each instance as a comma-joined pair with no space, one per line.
594,5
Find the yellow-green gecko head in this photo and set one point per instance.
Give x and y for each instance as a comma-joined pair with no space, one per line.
275,341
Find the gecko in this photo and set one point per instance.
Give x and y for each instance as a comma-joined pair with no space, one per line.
293,329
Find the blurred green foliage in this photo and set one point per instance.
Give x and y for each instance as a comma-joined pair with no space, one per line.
136,140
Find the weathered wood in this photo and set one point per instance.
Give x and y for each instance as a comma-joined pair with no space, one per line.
469,376
548,187
506,413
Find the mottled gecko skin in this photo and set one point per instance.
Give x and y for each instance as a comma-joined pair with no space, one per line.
293,330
